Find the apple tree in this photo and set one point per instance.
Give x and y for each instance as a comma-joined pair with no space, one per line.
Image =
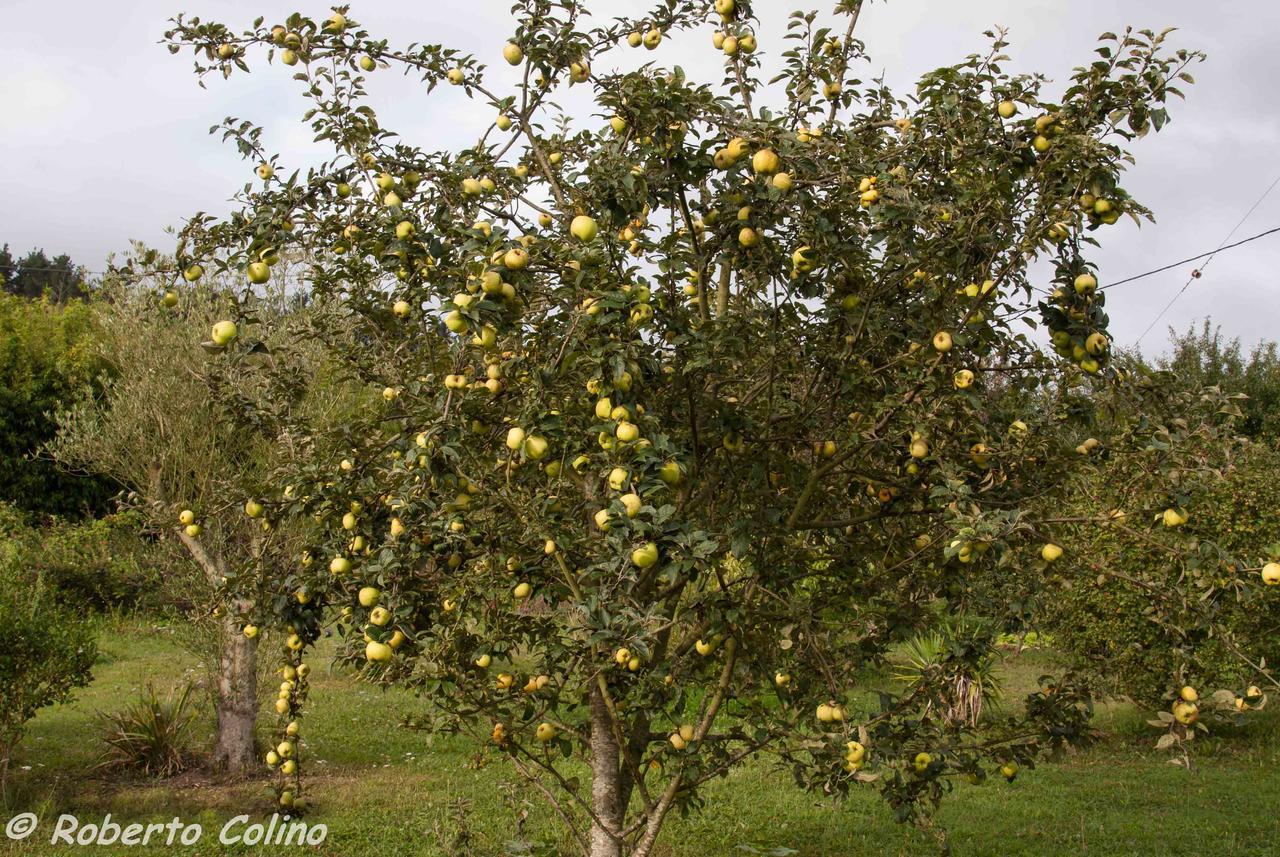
693,404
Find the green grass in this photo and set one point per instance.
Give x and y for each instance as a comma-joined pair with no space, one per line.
383,789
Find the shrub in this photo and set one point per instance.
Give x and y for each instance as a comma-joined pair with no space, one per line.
45,653
151,736
103,564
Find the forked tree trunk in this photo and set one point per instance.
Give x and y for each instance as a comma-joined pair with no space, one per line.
234,750
606,802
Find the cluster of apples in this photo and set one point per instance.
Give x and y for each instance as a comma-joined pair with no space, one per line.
732,40
379,647
650,38
283,757
190,525
1070,330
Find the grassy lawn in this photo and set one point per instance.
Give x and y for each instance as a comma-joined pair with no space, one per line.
384,789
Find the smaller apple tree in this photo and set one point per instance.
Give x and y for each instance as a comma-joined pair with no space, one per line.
688,413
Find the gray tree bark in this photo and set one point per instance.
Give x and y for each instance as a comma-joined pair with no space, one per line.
234,748
606,803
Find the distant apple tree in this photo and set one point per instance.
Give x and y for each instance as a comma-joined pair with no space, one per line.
693,409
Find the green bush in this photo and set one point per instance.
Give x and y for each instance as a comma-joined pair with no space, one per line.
45,653
97,565
46,360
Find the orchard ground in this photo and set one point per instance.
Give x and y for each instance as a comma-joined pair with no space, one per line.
382,787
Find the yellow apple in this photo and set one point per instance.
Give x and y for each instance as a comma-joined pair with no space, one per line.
1085,284
1006,109
522,591
631,503
545,732
617,478
369,595
516,259
922,762
583,228
1189,694
377,652
942,341
224,332
339,565
1271,573
1050,552
1185,713
512,53
645,555
765,162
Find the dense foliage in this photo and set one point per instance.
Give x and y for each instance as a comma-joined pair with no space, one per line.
1203,357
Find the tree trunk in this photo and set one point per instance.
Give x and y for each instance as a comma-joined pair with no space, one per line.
606,801
237,705
237,702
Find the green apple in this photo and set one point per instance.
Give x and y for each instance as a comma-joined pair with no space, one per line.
258,272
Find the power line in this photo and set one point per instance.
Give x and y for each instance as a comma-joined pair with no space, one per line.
1195,274
1173,265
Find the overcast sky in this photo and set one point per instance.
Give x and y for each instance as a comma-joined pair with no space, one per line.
104,134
